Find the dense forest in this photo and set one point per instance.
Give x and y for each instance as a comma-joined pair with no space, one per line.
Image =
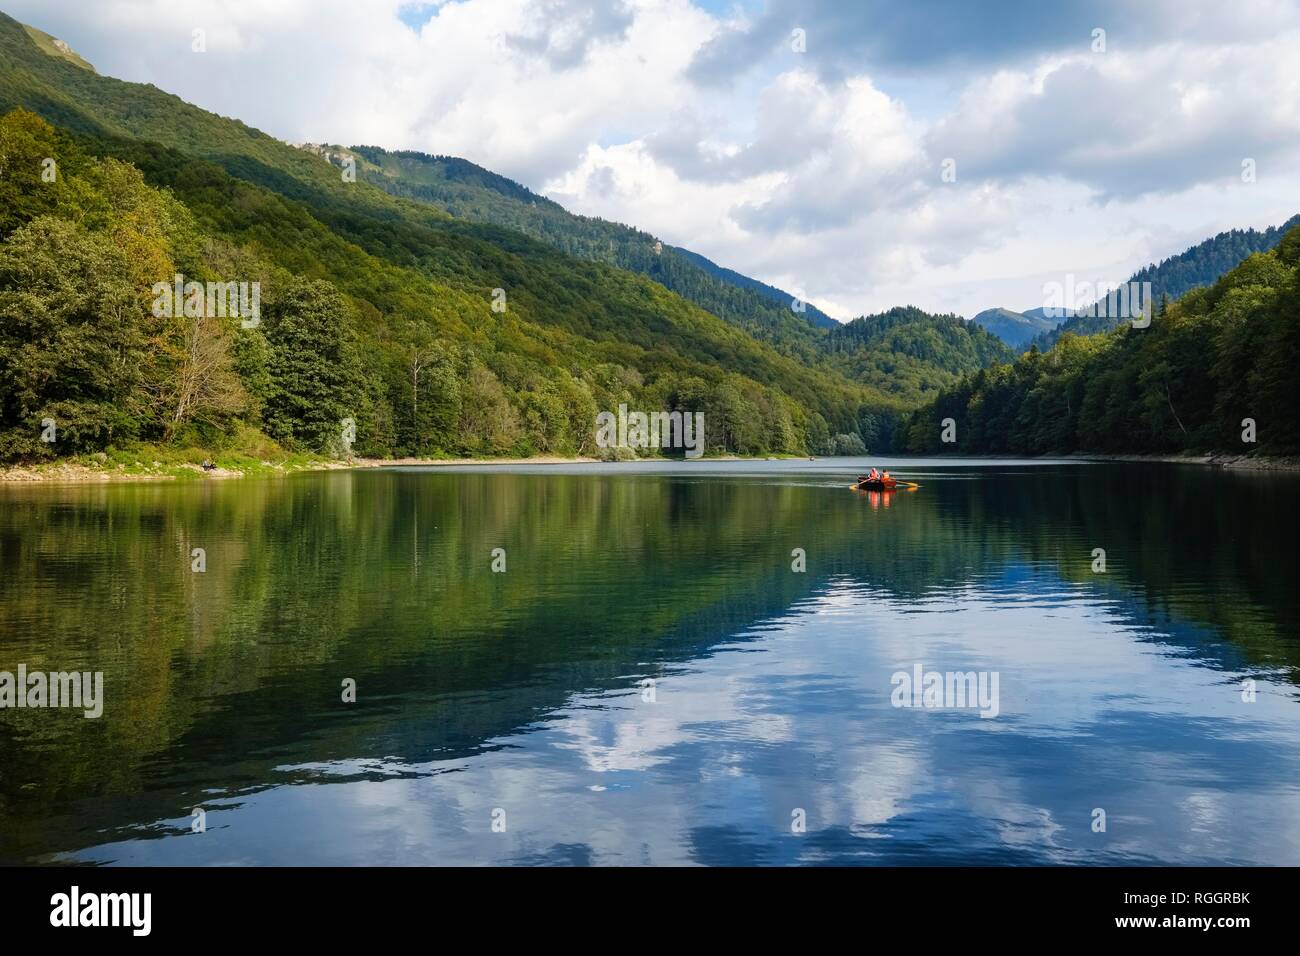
910,352
433,334
468,191
81,346
428,307
1215,370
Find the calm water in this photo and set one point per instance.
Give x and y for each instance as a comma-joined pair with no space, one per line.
521,696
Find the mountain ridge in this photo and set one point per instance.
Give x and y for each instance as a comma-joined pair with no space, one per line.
469,191
417,286
576,335
1016,329
1197,266
638,319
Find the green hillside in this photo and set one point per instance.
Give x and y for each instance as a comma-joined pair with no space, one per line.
1215,371
809,311
920,354
400,295
470,192
437,371
1016,329
912,353
52,46
1199,266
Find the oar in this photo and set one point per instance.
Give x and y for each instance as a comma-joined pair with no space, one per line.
905,485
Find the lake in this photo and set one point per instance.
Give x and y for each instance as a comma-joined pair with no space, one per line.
694,663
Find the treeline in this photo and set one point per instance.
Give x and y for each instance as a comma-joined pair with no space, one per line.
1214,371
415,286
911,353
1172,278
905,353
470,192
82,348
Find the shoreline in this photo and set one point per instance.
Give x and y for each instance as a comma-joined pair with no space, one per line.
1212,459
447,462
71,471
78,472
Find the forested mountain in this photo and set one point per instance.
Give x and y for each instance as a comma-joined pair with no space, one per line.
1201,265
435,334
912,353
402,340
470,192
376,308
1215,370
1016,329
806,309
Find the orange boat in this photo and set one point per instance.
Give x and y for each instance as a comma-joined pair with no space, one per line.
890,484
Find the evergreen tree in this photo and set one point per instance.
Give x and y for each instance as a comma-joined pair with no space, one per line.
316,374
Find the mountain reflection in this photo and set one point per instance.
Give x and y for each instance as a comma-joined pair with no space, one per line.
524,690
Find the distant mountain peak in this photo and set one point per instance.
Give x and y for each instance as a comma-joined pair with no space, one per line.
1016,329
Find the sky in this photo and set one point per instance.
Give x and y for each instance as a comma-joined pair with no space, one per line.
940,153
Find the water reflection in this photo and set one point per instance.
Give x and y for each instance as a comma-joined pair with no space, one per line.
523,691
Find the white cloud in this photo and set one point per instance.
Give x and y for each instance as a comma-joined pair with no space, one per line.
812,174
1157,120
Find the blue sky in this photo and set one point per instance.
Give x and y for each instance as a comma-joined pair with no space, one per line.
799,141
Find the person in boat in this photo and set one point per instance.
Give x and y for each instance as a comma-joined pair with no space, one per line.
884,476
873,475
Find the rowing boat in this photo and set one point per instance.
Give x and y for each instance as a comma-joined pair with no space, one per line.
891,485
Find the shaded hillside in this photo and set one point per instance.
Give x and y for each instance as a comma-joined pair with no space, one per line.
1215,371
433,368
437,369
471,192
1016,329
912,353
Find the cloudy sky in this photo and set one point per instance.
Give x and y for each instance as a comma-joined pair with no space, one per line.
804,142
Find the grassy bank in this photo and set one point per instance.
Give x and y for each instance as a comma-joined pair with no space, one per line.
159,462
164,463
